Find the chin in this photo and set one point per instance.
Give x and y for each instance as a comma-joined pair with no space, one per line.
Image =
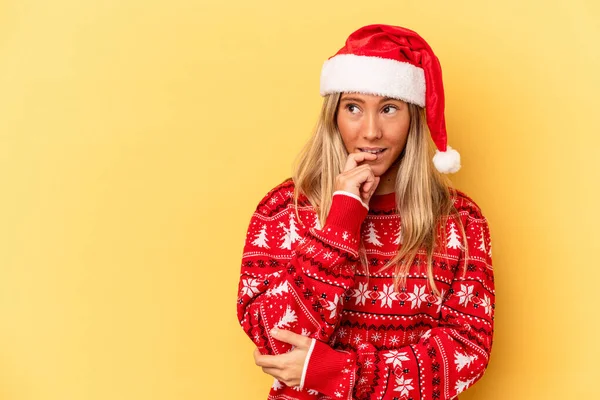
380,170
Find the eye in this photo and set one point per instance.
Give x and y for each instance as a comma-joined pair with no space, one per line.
350,106
389,106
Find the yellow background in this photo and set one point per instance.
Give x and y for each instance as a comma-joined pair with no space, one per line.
136,138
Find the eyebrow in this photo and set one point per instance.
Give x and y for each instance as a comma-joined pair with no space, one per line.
362,101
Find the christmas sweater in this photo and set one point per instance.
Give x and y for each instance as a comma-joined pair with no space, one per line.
369,341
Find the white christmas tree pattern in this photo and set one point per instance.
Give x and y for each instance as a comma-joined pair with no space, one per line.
317,224
290,234
310,391
398,236
287,318
278,290
372,236
463,360
277,385
482,243
261,238
453,240
462,385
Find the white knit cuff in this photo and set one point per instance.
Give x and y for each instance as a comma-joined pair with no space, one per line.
306,361
345,193
374,75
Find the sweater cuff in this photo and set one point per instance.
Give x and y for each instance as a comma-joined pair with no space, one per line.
347,213
306,361
329,371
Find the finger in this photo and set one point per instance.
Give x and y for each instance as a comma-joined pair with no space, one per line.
282,376
368,183
375,184
265,360
372,191
291,338
357,173
274,372
355,158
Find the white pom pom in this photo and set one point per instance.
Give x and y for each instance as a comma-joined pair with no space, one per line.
447,161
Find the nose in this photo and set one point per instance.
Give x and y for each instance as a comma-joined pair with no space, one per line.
372,127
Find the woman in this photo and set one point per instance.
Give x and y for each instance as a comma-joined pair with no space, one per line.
393,297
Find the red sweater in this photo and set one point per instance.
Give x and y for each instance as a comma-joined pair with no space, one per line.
369,341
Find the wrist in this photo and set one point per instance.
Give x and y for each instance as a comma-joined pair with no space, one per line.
328,369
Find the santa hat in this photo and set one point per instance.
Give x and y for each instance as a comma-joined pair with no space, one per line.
395,62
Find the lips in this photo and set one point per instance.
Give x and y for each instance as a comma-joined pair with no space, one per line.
372,150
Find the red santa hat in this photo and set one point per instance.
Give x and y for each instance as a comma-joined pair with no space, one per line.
395,62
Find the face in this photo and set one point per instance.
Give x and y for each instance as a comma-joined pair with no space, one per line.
375,124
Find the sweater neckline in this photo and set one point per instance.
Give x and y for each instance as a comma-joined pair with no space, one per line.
384,201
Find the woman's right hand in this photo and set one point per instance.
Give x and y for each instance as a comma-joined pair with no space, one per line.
358,179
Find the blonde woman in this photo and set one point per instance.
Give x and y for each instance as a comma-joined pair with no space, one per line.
366,275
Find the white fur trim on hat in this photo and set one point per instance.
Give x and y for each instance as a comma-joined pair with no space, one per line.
373,75
447,161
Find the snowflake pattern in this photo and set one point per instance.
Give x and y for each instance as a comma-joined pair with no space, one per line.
388,295
332,306
486,303
465,294
395,358
250,287
403,385
417,296
361,293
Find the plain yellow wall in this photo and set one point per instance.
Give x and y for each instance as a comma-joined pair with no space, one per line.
136,138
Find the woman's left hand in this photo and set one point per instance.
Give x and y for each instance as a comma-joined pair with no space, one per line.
286,368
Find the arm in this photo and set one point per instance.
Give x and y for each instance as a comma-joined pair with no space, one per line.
445,361
299,288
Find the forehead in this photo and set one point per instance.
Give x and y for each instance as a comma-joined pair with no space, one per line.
367,98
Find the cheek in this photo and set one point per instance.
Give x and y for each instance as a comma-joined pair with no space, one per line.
346,131
400,135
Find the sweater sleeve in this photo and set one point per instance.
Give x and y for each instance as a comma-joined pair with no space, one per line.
442,363
296,282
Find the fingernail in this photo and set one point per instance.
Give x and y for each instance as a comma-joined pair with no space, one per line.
274,331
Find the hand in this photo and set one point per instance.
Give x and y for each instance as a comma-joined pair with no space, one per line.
286,368
358,179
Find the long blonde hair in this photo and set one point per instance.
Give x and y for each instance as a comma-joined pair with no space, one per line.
424,197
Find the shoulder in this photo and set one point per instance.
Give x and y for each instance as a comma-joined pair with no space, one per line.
279,198
466,206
